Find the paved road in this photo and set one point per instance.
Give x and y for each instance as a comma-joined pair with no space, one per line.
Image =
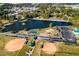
26,36
14,35
67,36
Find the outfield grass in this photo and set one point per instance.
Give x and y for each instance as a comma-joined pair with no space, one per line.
3,41
37,50
63,49
67,50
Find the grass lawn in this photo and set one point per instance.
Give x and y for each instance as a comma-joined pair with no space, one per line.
67,50
36,50
63,49
3,41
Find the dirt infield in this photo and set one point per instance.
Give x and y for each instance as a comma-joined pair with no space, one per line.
15,45
49,48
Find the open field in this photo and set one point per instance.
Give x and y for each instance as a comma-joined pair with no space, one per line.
63,49
55,23
3,41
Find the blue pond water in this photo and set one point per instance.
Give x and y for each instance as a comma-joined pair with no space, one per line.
33,24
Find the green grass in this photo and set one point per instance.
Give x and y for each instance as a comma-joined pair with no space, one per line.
3,41
23,50
36,50
63,49
67,50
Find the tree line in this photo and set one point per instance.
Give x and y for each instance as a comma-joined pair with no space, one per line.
45,11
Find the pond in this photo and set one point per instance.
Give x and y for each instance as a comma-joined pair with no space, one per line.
33,24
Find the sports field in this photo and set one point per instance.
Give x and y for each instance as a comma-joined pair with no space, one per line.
64,49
